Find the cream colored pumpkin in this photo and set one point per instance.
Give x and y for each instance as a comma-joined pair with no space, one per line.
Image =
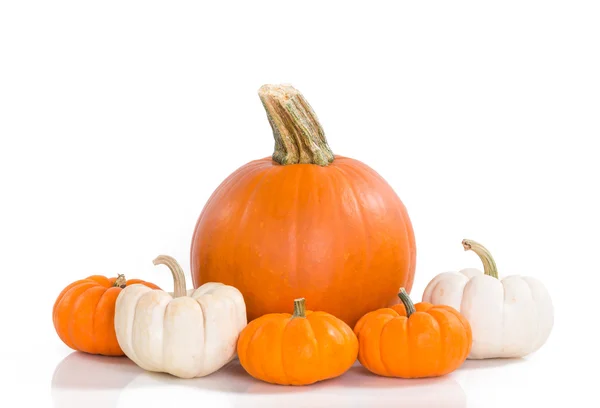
186,333
509,317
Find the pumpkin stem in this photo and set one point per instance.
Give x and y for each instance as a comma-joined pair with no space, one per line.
299,137
178,275
489,265
299,308
120,281
408,304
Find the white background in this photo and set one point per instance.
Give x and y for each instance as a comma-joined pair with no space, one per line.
119,118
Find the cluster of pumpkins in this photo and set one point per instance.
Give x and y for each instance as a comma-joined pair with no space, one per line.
302,264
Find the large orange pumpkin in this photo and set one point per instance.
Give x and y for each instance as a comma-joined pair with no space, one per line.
305,222
84,313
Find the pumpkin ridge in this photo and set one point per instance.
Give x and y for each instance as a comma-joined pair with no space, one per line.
440,369
340,242
451,315
294,236
467,326
441,359
413,345
278,351
277,325
243,344
75,307
387,369
332,324
243,220
68,310
392,336
223,190
378,355
298,280
202,368
100,280
61,296
159,303
283,353
257,366
538,331
323,366
310,337
468,333
204,337
409,348
367,257
164,343
533,339
115,348
248,174
423,306
133,340
95,338
132,354
406,222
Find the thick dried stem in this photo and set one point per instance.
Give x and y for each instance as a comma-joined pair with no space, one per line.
299,138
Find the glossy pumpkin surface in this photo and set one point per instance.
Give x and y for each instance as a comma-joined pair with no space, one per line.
432,341
297,349
83,314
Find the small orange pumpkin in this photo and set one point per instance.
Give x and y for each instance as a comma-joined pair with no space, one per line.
83,313
413,341
297,349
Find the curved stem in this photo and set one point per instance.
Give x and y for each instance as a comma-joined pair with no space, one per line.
178,275
120,281
299,308
299,137
408,304
489,265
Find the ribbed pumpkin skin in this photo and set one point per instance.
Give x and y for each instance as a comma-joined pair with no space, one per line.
337,235
84,311
280,349
433,341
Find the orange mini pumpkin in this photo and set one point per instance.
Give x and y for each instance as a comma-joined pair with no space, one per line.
297,349
413,341
305,223
83,314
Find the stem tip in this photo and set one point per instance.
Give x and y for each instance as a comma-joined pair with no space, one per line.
299,308
489,265
467,244
120,282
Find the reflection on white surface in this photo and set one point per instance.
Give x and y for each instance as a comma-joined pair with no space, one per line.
360,388
491,363
88,381
85,380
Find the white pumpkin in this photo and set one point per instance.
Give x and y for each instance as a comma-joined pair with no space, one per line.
509,317
186,333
